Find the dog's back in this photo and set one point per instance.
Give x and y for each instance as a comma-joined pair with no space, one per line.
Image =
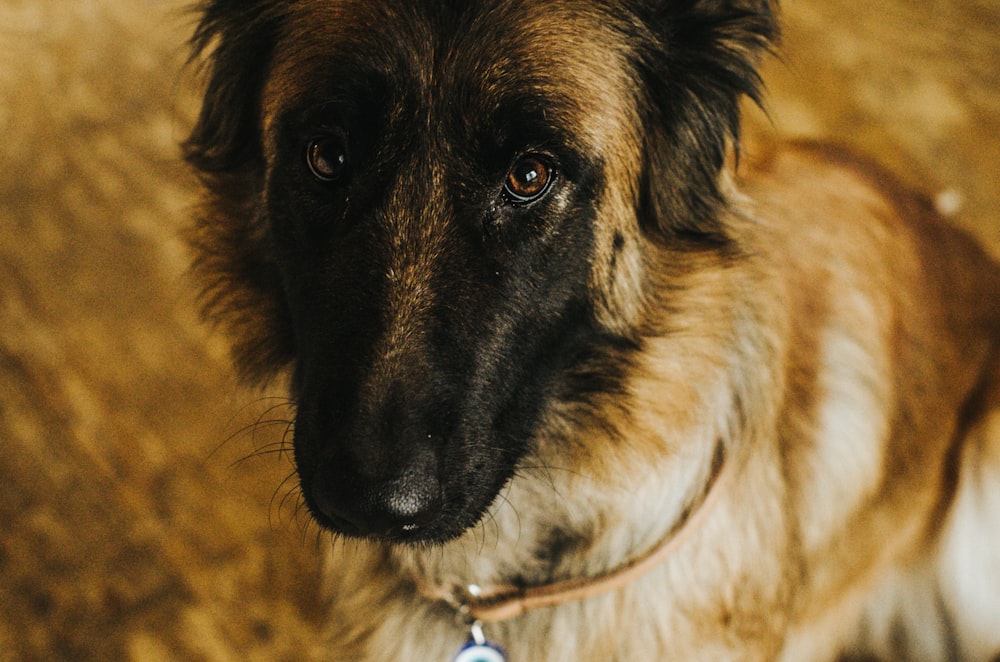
902,324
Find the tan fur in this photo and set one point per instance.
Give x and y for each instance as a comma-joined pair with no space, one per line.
856,359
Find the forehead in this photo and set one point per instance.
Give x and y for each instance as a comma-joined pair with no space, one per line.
569,59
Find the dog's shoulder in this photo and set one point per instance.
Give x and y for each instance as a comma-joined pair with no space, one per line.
831,201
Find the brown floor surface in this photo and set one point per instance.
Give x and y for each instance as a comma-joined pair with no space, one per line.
139,517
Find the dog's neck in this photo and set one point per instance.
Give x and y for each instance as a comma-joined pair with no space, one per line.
558,535
500,603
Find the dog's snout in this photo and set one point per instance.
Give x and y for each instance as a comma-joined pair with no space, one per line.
378,506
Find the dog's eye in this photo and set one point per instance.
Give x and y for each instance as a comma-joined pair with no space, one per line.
528,179
327,158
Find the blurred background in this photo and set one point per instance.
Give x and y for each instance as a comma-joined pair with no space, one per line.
143,515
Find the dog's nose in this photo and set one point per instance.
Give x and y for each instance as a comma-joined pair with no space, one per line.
378,508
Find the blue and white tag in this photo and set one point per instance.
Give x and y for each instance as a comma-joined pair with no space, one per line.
485,652
477,649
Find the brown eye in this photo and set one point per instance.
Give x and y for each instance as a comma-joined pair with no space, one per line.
327,158
528,179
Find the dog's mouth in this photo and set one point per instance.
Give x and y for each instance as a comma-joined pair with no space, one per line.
401,510
395,482
392,516
411,509
414,509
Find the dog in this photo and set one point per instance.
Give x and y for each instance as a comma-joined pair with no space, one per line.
577,378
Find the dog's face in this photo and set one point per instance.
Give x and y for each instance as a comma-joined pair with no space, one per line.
442,216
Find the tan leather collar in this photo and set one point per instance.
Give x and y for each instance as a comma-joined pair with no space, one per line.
505,602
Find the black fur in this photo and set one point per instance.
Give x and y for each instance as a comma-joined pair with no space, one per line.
691,103
409,423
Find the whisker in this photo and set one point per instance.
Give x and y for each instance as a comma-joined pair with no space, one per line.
289,433
281,402
294,491
261,421
274,448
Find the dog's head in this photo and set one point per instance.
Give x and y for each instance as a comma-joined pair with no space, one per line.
441,216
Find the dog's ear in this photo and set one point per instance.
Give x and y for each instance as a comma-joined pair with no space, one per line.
240,283
701,61
235,38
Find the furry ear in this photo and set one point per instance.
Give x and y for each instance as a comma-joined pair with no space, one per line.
241,285
701,62
237,37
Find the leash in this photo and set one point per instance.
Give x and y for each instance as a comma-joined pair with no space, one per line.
478,606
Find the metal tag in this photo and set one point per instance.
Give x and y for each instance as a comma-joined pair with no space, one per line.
477,649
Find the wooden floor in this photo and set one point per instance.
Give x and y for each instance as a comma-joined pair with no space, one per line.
142,514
